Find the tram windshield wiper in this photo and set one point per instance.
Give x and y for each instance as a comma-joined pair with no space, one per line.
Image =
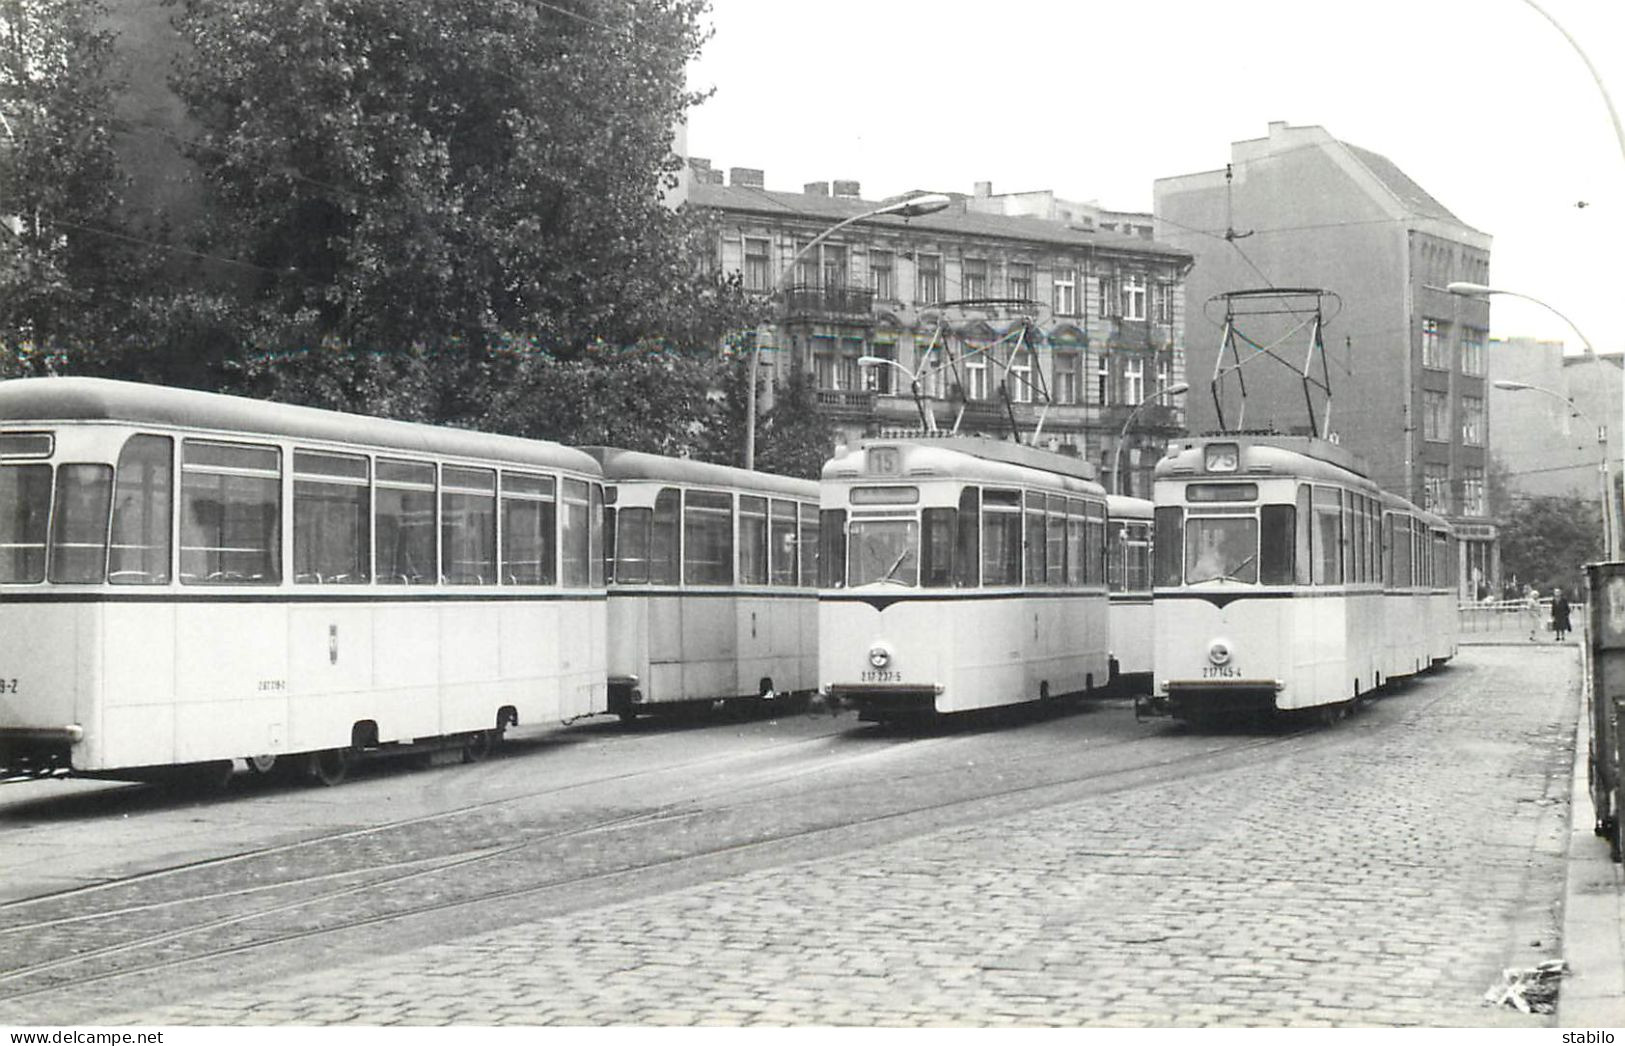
891,570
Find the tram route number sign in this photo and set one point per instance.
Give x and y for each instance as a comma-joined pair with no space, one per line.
882,676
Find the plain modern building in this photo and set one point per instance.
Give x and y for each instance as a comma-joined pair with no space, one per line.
1001,322
1550,440
1405,358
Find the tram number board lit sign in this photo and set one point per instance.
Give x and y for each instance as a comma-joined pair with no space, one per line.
884,461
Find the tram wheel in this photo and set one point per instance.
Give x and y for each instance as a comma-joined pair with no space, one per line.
261,764
330,767
478,746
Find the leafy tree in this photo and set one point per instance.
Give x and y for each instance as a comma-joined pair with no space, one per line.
66,260
795,439
1546,541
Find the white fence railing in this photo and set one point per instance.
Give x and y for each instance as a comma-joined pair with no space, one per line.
1512,617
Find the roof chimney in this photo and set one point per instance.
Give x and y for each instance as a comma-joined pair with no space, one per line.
846,188
746,177
815,189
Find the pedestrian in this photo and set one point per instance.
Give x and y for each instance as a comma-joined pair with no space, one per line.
1531,608
1560,614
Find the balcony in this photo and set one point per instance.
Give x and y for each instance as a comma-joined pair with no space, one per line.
813,302
846,404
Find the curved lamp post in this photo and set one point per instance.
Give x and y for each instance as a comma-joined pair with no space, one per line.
1478,290
1117,459
1609,525
911,207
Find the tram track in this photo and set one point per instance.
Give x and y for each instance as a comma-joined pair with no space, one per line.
91,966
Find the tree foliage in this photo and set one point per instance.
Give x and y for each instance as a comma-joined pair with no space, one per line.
1546,541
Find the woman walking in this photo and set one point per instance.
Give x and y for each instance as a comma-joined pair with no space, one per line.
1560,614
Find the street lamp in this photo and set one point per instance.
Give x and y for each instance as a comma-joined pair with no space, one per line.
910,207
1609,524
927,417
1117,459
1478,290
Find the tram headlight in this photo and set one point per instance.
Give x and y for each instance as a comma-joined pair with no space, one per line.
879,656
1219,651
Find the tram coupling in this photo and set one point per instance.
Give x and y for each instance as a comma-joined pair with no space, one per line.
1151,706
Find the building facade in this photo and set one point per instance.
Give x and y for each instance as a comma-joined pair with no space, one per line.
1404,358
987,323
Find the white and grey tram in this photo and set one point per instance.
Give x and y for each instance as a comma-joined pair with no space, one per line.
712,586
1128,581
959,573
188,578
1285,579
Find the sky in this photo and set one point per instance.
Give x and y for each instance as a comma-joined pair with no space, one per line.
1484,103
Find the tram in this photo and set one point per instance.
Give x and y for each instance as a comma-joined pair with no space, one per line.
189,578
712,583
1128,582
1286,580
959,573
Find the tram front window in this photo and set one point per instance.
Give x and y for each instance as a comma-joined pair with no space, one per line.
883,550
1221,549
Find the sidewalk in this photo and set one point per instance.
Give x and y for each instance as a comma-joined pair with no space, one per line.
1593,993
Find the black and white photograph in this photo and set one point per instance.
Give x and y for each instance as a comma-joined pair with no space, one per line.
621,516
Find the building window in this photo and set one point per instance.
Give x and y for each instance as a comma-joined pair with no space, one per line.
1133,380
826,363
1108,297
758,273
929,268
1021,280
1433,354
1066,368
1435,416
1472,491
973,278
1472,351
1162,302
1472,421
1021,376
881,276
1165,372
882,377
1066,292
834,266
1103,380
1436,484
929,368
1134,298
976,377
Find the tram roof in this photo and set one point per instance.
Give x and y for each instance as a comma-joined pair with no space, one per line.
1121,506
69,399
975,458
620,464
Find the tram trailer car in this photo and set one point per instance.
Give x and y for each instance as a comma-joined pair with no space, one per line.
189,578
712,583
959,573
1128,581
1285,579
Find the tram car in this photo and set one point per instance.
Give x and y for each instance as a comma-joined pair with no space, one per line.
188,578
712,584
959,573
1286,580
1128,583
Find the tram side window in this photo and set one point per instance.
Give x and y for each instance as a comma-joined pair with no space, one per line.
752,540
403,513
595,530
1055,530
1037,546
832,548
1168,546
25,513
468,526
937,547
1276,542
1116,555
331,506
1077,563
1001,537
79,524
632,527
142,512
1402,552
1328,539
708,553
231,513
968,544
664,559
575,533
1094,534
781,543
529,530
1137,558
807,548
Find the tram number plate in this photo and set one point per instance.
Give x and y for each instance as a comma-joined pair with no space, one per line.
8,686
879,676
1221,672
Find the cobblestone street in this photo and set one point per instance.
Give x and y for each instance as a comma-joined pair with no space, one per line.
1386,880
